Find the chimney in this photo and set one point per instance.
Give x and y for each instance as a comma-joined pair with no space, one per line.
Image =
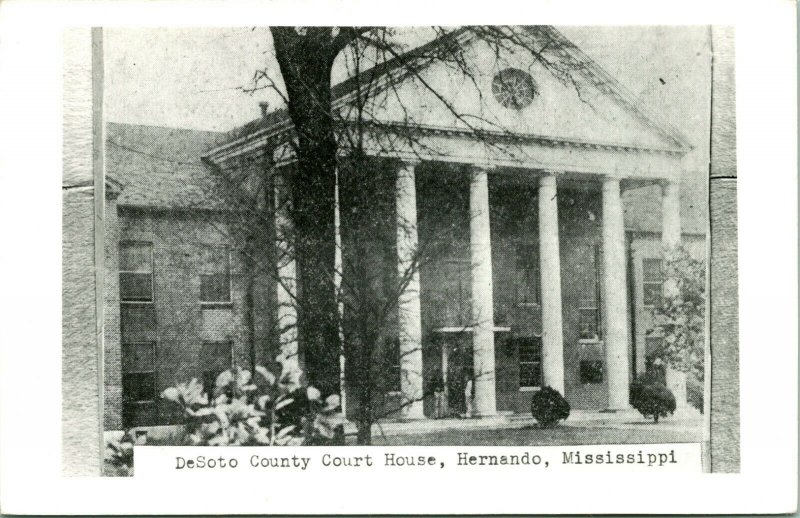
264,105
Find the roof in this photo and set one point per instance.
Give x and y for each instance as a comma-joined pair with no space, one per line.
158,167
161,167
593,71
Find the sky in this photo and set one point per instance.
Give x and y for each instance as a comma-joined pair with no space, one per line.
192,77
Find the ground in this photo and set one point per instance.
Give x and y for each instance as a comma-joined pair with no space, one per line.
582,427
532,435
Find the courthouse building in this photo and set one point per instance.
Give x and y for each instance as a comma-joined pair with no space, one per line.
556,200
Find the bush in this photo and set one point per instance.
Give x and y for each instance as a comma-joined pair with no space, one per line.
652,398
694,392
270,409
118,460
548,407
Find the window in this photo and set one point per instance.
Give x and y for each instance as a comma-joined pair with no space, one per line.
527,289
215,275
136,272
513,88
591,371
138,323
652,281
530,361
216,358
589,317
138,372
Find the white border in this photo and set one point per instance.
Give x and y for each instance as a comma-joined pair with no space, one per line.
31,118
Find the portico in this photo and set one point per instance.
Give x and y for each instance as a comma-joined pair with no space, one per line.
523,178
482,327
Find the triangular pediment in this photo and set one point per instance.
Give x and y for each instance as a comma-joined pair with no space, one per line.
573,99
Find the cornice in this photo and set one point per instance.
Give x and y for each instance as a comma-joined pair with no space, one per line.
254,143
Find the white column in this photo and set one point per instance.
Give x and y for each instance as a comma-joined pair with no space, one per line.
550,275
409,312
670,214
287,275
482,297
615,288
670,238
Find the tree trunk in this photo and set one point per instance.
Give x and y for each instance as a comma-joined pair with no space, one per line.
306,61
365,414
364,437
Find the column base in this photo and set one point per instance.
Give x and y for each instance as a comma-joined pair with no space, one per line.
483,416
615,410
686,412
412,417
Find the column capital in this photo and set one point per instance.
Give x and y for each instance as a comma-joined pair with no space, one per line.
550,172
484,168
408,162
548,180
669,186
612,185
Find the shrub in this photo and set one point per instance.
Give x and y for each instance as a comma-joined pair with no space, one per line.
548,407
694,392
680,318
272,409
118,460
652,398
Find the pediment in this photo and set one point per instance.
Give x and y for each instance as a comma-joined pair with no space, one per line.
573,100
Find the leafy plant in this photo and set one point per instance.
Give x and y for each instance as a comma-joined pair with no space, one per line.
548,407
680,318
118,460
694,393
271,408
652,398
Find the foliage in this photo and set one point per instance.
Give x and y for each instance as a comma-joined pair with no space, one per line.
680,318
271,409
119,454
652,398
548,407
694,392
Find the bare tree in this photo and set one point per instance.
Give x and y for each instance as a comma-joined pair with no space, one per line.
333,126
338,134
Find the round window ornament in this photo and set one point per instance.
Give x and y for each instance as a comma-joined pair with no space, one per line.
513,88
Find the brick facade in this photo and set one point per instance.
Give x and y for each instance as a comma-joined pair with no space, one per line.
190,338
179,324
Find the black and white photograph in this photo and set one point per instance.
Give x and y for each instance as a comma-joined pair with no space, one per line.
424,235
373,255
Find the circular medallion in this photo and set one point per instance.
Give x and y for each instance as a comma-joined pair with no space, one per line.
513,88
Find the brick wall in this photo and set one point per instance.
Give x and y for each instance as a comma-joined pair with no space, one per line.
176,321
